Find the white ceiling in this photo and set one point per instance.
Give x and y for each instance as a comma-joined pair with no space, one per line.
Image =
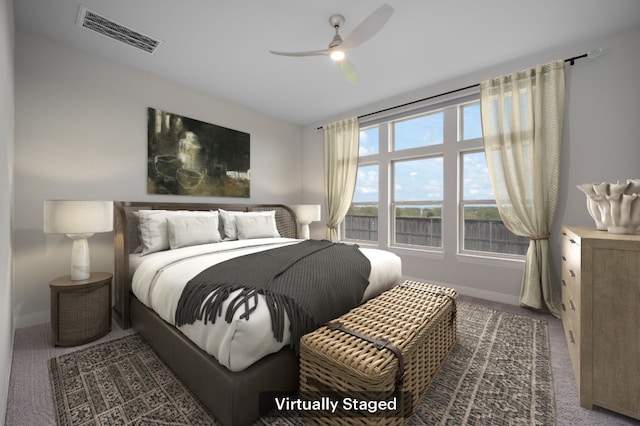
220,47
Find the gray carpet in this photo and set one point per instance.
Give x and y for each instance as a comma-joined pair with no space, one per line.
30,400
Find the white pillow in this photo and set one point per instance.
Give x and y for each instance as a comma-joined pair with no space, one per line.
229,219
229,224
153,227
192,230
256,226
151,232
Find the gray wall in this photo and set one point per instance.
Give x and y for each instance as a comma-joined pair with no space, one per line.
6,195
81,134
601,142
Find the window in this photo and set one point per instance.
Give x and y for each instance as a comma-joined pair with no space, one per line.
417,201
423,175
482,229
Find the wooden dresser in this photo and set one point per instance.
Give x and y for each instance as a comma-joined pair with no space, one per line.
601,316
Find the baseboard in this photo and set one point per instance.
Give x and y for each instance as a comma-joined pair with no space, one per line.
476,292
32,319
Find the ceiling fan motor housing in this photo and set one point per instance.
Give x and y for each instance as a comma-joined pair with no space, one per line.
336,22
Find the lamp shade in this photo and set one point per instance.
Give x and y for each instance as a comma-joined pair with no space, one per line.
77,217
307,213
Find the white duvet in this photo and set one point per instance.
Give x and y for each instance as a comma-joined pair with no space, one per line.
158,280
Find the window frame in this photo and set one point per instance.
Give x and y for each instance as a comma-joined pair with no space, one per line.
451,150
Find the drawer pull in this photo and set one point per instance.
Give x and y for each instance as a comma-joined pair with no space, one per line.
572,241
564,258
564,308
573,307
564,283
571,337
573,274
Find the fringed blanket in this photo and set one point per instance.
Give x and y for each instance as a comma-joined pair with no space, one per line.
312,281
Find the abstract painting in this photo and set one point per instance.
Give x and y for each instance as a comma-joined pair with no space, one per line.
191,157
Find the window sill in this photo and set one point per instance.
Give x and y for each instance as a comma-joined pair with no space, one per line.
503,262
419,253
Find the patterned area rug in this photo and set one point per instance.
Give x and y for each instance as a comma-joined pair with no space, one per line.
498,373
121,382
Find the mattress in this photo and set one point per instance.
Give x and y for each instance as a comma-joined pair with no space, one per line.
159,278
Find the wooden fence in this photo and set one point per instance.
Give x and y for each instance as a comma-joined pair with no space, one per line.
479,234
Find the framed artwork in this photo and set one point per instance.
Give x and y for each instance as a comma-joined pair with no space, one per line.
191,157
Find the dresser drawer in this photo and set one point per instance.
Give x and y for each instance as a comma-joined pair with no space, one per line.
571,294
570,304
571,326
571,256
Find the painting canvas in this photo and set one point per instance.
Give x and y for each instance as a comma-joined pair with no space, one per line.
191,157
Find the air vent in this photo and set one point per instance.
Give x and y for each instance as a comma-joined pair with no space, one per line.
112,29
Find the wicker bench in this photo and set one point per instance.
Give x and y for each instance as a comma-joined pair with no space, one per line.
375,363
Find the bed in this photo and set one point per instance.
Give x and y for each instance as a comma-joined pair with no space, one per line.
229,384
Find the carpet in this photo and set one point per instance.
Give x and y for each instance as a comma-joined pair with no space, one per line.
498,373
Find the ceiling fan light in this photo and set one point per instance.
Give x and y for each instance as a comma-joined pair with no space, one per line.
337,55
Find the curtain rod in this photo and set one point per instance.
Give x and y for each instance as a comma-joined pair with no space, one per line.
590,54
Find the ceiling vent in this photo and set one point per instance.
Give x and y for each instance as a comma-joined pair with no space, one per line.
112,29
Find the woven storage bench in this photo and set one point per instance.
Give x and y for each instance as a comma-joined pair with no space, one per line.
385,350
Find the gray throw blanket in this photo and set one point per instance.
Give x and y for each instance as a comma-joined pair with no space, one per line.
312,281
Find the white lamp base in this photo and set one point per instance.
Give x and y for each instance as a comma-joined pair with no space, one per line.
304,231
80,259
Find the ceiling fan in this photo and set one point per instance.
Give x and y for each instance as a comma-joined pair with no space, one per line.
337,48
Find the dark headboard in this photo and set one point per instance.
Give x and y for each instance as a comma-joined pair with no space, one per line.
126,238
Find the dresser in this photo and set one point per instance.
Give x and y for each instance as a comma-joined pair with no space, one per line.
601,316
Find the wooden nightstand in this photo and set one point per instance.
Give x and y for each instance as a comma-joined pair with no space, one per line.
80,310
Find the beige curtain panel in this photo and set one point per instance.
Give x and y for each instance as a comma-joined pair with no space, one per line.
522,116
341,143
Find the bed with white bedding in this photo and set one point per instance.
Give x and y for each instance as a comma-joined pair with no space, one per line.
226,364
159,278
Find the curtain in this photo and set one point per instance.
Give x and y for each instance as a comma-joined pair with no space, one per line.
522,116
341,142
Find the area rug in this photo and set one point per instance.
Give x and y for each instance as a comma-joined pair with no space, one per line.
498,373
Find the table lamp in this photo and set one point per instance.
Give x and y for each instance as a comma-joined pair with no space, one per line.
305,214
79,220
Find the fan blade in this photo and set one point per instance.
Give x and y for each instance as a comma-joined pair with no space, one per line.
349,71
325,52
368,28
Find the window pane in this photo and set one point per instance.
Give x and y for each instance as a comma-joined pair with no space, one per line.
366,184
485,231
471,124
361,223
420,131
369,141
509,104
418,180
476,184
418,225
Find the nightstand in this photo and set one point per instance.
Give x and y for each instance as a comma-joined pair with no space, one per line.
81,309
